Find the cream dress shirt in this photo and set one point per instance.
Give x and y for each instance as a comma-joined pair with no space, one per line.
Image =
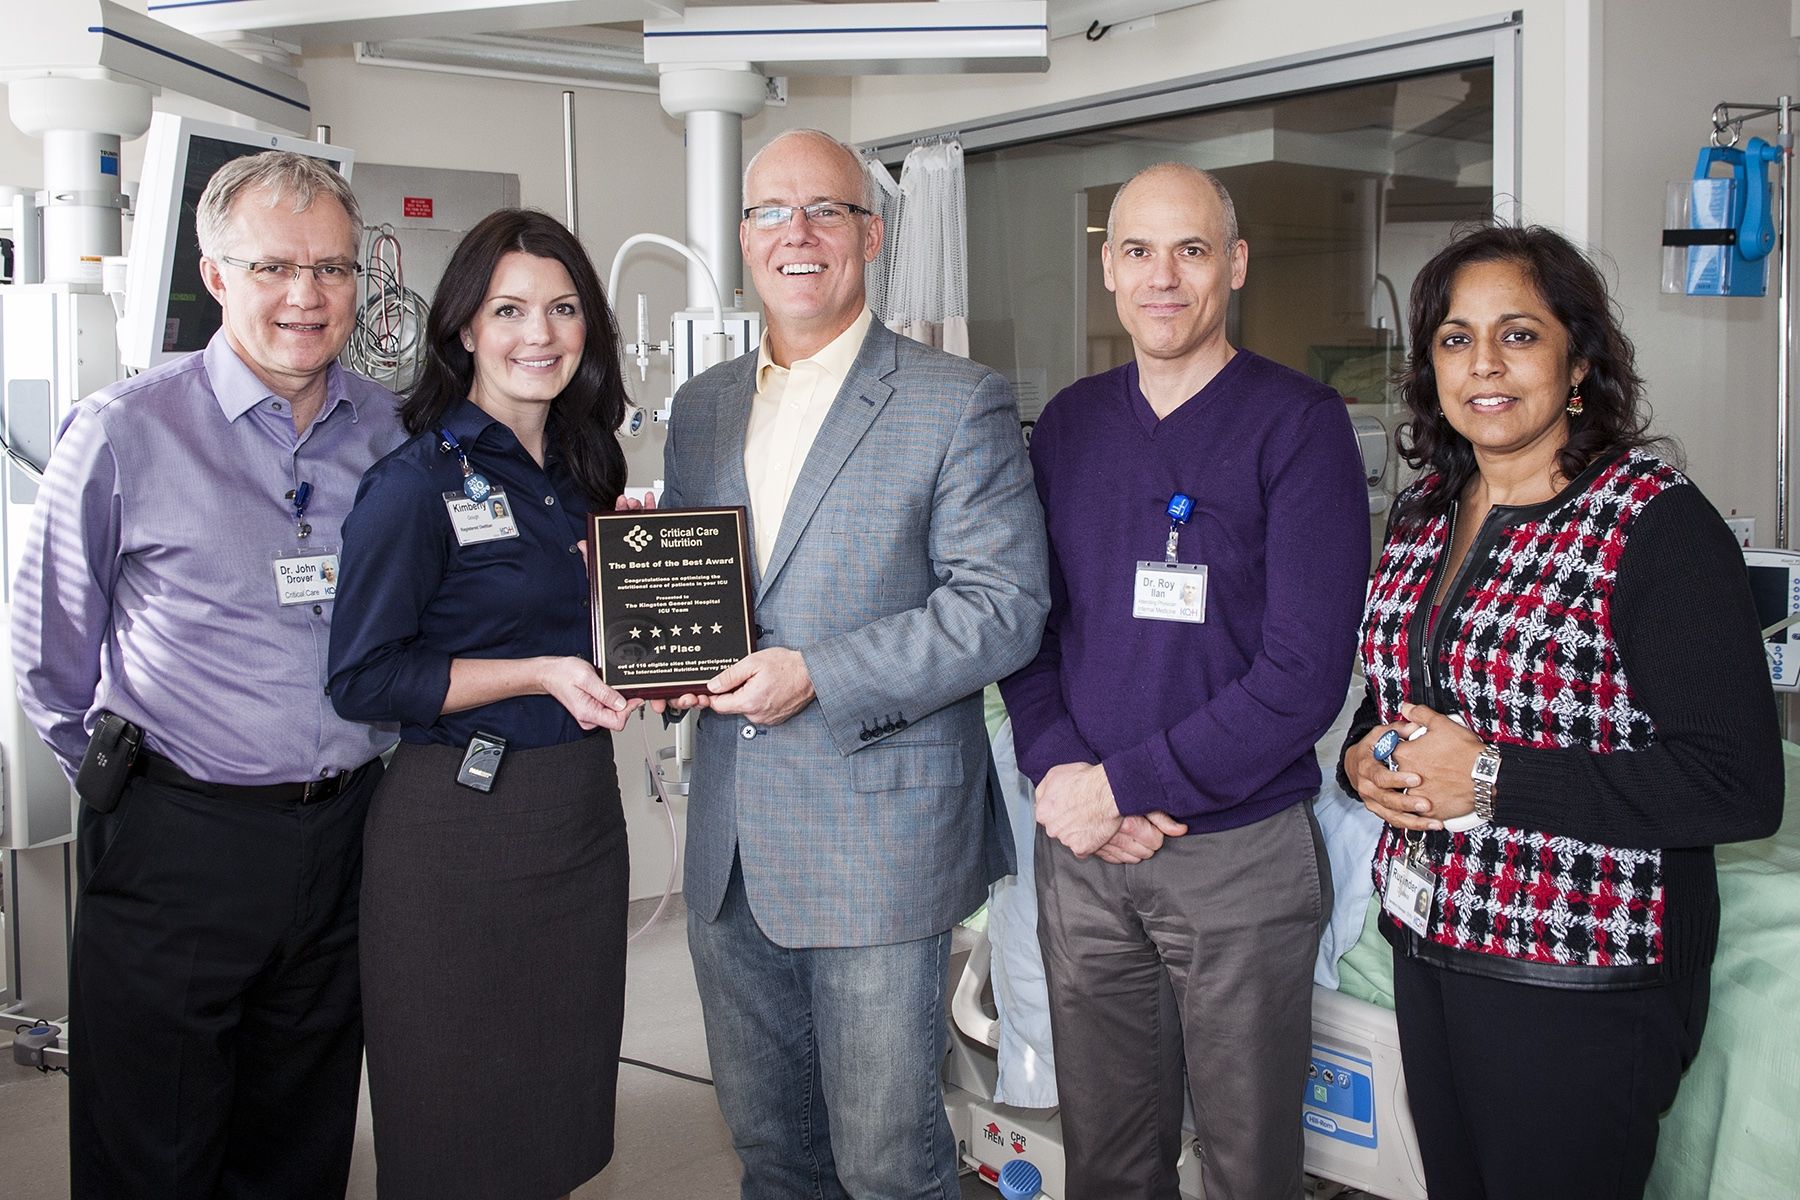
790,406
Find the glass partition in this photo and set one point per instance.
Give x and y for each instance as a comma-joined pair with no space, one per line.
1343,193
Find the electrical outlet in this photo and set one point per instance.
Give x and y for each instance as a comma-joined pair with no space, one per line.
1743,529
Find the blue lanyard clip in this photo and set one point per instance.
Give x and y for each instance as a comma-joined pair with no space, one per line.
1181,507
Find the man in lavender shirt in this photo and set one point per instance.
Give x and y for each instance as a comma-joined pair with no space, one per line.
1169,717
176,575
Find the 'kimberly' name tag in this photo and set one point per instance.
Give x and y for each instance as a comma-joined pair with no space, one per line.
306,578
1170,592
1407,897
486,520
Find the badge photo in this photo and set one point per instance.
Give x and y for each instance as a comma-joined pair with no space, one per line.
308,577
1164,591
485,520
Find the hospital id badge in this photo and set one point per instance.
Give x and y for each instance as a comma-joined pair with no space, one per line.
1166,591
485,520
308,577
1407,897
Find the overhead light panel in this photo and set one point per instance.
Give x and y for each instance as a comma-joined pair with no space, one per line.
562,61
316,23
1095,17
858,39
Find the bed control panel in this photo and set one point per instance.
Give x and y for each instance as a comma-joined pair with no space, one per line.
1340,1097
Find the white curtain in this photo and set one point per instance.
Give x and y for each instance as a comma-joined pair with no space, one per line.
886,190
924,267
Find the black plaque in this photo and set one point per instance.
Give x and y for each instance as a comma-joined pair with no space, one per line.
671,597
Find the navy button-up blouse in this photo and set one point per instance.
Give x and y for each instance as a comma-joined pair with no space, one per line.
411,599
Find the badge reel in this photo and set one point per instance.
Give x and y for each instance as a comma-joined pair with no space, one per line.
1410,884
1171,590
307,574
480,512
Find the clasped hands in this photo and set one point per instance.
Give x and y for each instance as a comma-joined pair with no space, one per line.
1432,783
1075,806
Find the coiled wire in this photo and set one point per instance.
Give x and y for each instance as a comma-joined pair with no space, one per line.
388,340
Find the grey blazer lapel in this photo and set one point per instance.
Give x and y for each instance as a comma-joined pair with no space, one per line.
858,402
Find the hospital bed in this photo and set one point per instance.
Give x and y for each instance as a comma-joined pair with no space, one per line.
1731,1133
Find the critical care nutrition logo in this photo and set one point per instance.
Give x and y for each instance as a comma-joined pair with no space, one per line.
637,538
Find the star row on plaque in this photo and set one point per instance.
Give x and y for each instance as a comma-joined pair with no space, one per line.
673,631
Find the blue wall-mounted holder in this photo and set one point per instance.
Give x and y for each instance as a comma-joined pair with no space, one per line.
1724,223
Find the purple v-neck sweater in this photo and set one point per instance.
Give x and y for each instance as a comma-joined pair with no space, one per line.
1212,723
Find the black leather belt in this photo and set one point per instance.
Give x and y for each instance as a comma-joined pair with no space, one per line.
158,769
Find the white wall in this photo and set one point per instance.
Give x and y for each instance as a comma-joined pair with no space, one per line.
630,179
1710,363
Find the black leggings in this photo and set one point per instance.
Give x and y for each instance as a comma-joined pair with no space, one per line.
1521,1092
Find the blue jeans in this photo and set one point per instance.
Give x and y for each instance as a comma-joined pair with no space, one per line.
826,1060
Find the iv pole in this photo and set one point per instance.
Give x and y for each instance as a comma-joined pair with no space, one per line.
1728,121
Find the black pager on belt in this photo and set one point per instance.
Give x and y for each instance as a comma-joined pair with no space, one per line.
481,761
106,766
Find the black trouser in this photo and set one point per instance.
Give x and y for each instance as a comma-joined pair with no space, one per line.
1523,1092
216,1025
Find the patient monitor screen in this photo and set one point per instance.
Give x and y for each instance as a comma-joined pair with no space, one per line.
193,314
1769,586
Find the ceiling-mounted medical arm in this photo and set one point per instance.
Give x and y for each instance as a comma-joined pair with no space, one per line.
690,355
80,75
98,39
640,347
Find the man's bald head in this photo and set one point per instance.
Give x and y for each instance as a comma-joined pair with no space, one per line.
865,195
1190,172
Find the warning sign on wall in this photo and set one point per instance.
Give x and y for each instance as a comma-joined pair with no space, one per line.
415,206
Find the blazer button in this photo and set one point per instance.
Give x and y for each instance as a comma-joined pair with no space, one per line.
747,732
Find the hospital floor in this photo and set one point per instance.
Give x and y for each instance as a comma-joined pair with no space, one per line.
670,1139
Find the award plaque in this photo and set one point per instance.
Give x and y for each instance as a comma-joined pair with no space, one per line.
671,597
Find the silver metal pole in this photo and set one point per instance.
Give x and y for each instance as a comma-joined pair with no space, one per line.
715,166
569,161
1784,383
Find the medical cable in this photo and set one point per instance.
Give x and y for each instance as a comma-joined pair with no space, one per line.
660,1070
387,342
662,796
19,460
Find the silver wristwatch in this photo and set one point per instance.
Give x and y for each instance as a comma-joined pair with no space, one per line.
1485,774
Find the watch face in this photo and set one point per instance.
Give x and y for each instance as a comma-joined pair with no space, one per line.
1487,768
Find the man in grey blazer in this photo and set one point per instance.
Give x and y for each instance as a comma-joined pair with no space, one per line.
839,817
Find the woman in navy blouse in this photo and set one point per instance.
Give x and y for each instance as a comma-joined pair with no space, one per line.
493,916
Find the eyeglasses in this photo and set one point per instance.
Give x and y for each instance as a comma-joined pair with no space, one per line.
280,274
826,214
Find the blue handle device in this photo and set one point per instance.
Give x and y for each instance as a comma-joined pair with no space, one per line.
1737,206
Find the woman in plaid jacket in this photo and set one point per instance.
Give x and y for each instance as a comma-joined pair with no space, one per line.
1567,708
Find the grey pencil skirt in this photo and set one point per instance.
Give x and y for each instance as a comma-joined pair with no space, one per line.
493,972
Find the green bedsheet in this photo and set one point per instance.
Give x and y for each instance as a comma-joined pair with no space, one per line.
1733,1133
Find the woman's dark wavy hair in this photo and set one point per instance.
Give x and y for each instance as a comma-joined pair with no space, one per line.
1615,416
584,416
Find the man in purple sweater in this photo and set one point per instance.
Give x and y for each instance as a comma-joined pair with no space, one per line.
1208,546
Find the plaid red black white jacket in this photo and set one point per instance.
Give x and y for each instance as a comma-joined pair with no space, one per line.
1523,653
